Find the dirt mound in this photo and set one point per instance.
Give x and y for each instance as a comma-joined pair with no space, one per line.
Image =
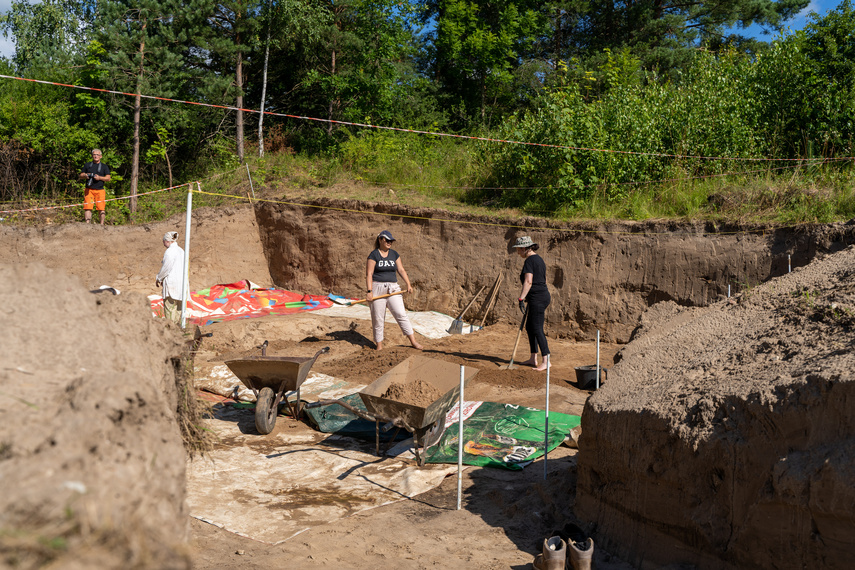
726,435
91,455
418,393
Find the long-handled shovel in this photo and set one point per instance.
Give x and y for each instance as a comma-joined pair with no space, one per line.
511,365
347,302
457,325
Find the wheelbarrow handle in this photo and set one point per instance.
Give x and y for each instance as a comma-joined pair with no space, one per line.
324,350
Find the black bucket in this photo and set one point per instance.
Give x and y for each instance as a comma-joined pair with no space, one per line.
586,377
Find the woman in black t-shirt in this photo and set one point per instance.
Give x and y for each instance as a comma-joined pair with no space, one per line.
381,276
535,293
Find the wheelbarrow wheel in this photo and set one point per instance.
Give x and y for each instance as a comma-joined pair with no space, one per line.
265,413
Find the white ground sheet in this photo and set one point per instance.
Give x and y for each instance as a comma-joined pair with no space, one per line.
429,324
271,488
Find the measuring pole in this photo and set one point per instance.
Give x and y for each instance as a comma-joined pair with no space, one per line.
459,444
598,359
546,419
186,284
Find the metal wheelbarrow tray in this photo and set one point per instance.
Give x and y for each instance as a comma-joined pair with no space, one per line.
425,423
269,377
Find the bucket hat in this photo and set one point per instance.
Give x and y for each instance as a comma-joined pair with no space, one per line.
524,241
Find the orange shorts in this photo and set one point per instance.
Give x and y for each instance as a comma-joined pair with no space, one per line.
96,197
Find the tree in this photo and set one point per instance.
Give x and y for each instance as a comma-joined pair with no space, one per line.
47,32
806,82
359,65
664,32
295,21
143,42
231,26
478,45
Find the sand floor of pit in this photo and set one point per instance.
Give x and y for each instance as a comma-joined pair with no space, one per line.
505,514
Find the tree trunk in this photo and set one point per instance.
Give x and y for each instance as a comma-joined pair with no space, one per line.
556,49
483,96
239,82
332,101
135,161
264,88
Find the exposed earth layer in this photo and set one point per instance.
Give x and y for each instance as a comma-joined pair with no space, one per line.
722,437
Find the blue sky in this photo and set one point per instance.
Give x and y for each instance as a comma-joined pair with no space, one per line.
7,47
797,23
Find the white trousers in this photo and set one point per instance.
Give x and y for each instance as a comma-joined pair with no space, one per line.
395,305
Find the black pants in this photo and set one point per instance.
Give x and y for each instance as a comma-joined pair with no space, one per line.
534,324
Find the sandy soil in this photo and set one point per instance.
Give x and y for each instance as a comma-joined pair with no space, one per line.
740,420
650,470
504,515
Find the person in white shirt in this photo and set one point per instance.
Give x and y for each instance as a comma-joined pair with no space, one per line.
171,276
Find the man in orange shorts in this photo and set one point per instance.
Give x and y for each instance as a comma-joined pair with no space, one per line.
95,173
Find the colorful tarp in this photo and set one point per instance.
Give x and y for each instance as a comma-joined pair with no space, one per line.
495,435
499,435
242,300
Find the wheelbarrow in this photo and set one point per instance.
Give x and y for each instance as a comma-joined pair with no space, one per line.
269,377
426,423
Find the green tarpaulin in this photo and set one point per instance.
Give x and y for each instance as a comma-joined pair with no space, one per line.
495,435
500,435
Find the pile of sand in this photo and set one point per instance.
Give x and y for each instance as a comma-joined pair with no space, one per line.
92,458
416,393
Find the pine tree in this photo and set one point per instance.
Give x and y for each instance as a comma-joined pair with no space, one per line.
145,43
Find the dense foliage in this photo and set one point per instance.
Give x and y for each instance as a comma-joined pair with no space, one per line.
620,93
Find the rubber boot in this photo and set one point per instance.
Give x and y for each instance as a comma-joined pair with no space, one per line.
581,554
554,555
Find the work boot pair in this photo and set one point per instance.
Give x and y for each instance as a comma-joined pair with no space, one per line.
554,555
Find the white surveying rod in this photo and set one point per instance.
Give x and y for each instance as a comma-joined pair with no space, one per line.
185,286
598,359
546,419
459,444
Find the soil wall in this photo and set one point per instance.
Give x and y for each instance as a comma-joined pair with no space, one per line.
91,456
725,436
600,276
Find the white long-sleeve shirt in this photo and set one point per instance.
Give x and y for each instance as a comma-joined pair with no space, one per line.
172,272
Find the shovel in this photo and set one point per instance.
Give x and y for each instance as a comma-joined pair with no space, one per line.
511,365
347,302
457,325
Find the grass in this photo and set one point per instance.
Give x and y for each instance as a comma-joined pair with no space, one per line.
423,172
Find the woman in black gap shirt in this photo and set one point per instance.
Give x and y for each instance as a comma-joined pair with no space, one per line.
535,293
381,276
